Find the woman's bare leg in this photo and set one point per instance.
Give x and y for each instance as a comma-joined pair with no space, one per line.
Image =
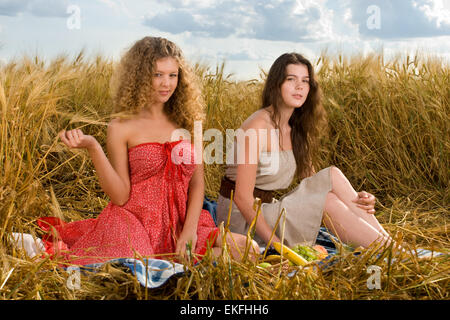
349,227
343,189
237,244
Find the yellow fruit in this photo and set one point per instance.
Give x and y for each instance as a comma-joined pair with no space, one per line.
290,254
272,258
264,265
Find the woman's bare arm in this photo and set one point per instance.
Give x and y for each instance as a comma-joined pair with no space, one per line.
245,184
196,193
112,173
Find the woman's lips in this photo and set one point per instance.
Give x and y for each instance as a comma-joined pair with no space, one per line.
164,93
298,96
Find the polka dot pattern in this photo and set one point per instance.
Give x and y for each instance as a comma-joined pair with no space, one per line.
148,224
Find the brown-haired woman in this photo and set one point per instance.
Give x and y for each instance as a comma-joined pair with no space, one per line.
155,186
291,109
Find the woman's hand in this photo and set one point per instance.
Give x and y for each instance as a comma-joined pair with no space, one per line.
77,139
366,201
186,236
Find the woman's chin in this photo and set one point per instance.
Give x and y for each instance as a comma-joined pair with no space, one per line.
296,105
163,99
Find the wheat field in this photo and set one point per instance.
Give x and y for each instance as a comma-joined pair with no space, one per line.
388,133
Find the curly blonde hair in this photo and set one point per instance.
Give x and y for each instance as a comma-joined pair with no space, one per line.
131,83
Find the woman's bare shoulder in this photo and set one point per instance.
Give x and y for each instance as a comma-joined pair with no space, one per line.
120,128
260,119
123,123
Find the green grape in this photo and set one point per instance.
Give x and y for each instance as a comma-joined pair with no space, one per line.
306,252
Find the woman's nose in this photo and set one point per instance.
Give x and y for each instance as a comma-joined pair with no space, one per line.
301,85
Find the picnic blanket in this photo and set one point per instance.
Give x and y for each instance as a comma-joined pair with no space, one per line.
153,273
150,273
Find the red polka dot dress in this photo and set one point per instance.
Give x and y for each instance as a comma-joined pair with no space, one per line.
148,224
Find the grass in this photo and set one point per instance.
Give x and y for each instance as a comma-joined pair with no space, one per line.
388,132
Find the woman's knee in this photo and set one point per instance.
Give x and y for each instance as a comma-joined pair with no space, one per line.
336,172
331,200
334,205
241,242
253,249
237,244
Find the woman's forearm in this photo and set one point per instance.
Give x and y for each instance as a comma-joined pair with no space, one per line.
117,190
263,230
194,208
195,200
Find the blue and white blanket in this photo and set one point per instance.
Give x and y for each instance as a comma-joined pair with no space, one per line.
150,273
153,273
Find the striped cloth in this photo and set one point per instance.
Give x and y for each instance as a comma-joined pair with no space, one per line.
153,273
150,273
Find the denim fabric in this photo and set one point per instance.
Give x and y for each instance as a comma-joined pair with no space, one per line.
211,206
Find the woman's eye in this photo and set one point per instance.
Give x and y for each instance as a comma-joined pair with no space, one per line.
174,75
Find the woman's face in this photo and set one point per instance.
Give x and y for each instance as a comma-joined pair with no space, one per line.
165,79
295,87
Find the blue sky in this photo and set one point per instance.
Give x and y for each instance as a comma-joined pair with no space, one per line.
249,34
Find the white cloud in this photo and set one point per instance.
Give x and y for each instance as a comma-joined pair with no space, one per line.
12,7
247,34
119,7
242,54
439,11
401,19
288,20
40,8
190,3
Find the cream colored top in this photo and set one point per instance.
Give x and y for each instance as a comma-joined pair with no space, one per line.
275,170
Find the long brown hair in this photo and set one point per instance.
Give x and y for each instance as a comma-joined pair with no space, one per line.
306,121
131,84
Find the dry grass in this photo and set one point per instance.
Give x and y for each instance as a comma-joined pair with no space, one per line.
388,132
